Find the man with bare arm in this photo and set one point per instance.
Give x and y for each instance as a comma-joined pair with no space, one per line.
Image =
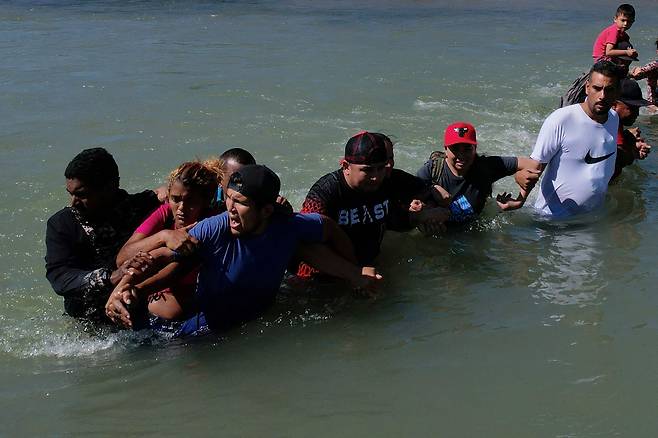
577,148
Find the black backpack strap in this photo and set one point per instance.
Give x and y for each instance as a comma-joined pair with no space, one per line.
436,165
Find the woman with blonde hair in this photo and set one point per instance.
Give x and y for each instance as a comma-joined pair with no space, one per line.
192,196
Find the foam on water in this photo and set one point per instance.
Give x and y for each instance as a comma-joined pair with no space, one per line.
49,337
492,314
423,105
553,91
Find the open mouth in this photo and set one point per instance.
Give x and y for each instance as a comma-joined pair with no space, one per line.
234,221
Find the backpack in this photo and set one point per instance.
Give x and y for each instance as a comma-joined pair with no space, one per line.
437,159
576,92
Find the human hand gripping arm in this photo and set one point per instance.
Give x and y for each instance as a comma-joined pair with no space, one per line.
644,71
430,217
134,288
177,240
526,176
340,261
642,148
429,220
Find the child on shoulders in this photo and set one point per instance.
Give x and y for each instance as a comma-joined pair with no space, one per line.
604,46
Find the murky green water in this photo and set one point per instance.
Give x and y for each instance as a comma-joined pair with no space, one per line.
512,328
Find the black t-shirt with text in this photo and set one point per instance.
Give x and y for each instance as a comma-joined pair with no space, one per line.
365,216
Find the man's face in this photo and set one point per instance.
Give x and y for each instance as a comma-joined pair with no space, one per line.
627,113
89,201
245,217
364,177
624,22
602,92
460,156
186,205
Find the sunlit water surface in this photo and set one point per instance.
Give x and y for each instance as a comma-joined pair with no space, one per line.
513,327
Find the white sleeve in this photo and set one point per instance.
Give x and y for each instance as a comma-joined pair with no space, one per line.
549,140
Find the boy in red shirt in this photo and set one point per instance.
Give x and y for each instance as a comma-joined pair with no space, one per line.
604,46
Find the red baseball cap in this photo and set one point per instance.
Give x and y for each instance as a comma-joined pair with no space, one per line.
459,132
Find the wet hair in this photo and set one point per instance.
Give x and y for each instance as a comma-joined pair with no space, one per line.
626,10
238,155
202,177
95,167
606,68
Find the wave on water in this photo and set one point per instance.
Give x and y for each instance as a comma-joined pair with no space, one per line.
422,105
508,110
62,337
73,339
76,344
549,90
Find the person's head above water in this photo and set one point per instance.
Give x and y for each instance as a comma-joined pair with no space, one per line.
234,159
460,142
192,190
390,157
92,180
624,17
364,162
629,102
602,89
250,199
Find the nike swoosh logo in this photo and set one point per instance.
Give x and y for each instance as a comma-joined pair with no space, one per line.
591,160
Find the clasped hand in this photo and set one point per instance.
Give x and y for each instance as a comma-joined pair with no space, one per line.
180,241
506,202
367,283
119,302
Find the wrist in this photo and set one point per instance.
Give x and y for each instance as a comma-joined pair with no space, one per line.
136,291
115,276
355,277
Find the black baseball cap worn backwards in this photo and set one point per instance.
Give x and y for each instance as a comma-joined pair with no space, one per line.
365,148
631,94
256,182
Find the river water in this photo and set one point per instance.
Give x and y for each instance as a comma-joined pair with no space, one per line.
513,327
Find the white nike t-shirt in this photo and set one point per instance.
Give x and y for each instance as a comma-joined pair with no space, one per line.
581,156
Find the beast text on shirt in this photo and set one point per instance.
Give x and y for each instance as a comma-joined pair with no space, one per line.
363,214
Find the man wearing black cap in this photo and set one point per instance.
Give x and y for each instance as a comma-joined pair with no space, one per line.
243,254
630,145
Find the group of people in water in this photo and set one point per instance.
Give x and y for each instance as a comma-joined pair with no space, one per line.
210,248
